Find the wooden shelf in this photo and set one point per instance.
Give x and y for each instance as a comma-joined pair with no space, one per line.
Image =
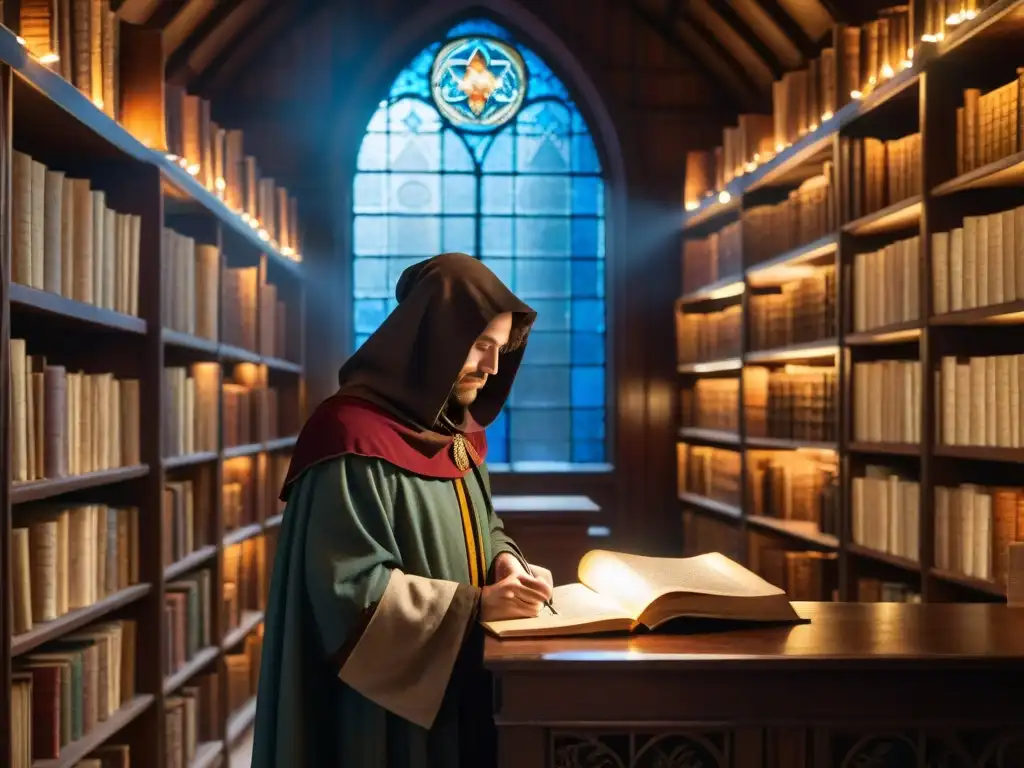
193,560
207,754
883,557
280,443
274,521
787,444
103,732
809,350
240,721
237,354
710,505
980,453
28,299
979,585
236,451
885,449
806,533
725,288
715,436
188,341
1007,172
250,620
1010,313
189,459
244,533
890,334
277,364
37,490
69,622
786,266
191,668
712,366
892,218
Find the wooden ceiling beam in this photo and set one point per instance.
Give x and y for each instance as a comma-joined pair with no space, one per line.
790,28
165,12
683,16
666,29
177,64
136,11
258,35
748,35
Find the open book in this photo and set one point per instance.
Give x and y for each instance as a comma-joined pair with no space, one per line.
620,592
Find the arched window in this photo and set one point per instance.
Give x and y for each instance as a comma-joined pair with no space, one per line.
479,148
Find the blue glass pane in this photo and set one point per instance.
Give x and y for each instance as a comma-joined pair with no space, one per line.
496,194
552,314
587,278
409,152
379,122
584,238
413,116
588,315
369,194
496,236
459,193
547,153
543,81
478,82
587,424
373,152
479,27
415,235
370,313
370,235
497,439
459,234
498,158
588,452
547,348
360,338
544,425
502,269
545,195
540,451
542,237
456,156
588,348
417,193
370,278
478,144
539,386
543,118
415,79
600,239
587,195
579,124
584,155
542,278
588,387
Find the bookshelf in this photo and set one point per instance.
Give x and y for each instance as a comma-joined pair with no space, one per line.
152,335
850,403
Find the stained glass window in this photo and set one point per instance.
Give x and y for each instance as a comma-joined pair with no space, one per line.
515,180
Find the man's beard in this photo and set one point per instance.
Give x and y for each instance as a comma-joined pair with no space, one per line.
462,397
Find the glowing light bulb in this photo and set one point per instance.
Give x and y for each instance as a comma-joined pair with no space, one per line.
21,40
49,58
887,71
856,95
826,115
724,197
691,205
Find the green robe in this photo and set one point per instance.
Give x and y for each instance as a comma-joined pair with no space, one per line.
348,525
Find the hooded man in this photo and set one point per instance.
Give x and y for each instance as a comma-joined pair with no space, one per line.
390,552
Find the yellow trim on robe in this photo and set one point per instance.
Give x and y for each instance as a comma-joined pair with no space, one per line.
474,547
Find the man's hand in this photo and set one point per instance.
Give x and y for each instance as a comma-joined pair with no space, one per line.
517,596
507,564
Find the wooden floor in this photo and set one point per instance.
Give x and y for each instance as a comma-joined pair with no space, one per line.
241,755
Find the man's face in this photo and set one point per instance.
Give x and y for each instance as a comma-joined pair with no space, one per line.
482,360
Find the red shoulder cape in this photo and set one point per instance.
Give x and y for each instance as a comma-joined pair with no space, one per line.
343,426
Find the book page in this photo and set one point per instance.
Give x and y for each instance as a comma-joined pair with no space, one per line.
575,603
636,581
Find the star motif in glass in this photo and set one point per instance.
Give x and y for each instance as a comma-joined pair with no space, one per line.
478,82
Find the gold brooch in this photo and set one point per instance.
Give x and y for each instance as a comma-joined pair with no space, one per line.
459,452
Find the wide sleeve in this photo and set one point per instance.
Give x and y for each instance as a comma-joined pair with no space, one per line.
395,636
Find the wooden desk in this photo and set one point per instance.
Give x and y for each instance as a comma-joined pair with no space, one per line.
862,686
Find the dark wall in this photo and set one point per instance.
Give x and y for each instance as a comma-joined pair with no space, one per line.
305,103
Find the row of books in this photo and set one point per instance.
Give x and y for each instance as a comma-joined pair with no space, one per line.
710,472
803,99
68,423
802,311
885,512
81,41
716,257
703,336
191,716
71,557
802,489
797,402
65,239
711,404
807,214
980,401
879,174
